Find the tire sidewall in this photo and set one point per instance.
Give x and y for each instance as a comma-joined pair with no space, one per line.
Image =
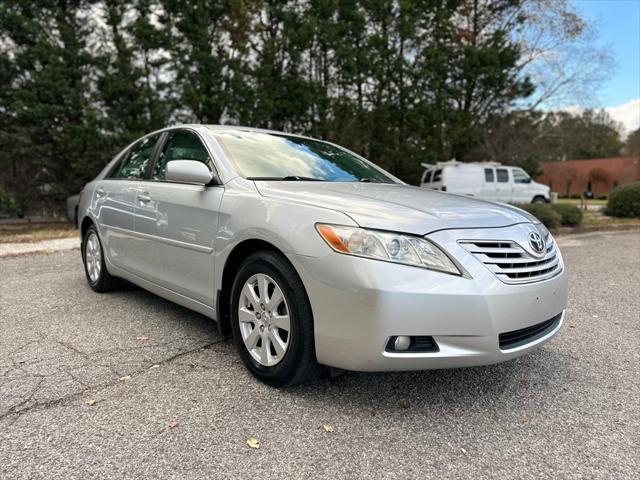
299,313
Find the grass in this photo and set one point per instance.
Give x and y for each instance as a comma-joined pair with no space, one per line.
36,232
590,217
576,201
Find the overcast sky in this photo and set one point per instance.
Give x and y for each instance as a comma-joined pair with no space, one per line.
618,23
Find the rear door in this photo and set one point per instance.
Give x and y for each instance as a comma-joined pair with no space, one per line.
115,201
489,189
176,222
503,184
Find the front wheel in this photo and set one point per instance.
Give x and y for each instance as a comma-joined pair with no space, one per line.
272,321
539,199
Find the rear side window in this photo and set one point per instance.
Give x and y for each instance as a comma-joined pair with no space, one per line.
137,159
488,175
437,176
180,145
502,174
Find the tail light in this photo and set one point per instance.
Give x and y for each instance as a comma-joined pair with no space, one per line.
443,188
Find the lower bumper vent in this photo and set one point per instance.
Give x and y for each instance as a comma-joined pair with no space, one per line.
517,338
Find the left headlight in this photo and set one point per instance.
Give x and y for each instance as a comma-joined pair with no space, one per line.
387,246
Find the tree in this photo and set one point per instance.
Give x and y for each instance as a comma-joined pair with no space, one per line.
50,140
632,145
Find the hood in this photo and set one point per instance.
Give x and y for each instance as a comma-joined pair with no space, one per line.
395,207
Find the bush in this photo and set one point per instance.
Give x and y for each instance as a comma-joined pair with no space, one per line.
624,201
543,212
570,215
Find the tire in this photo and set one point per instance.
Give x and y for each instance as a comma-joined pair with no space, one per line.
539,199
95,269
257,318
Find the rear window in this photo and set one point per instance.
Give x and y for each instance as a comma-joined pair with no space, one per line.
488,175
502,174
437,176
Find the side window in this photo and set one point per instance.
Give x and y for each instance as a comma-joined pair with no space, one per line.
503,175
137,159
519,176
427,177
488,175
180,145
437,176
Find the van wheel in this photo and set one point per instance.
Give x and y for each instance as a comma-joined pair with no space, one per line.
539,199
272,321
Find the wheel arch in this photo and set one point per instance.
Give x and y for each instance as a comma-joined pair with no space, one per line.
233,261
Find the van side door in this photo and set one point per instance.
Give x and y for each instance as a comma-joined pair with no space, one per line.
503,184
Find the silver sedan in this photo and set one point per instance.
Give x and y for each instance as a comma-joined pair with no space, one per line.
310,255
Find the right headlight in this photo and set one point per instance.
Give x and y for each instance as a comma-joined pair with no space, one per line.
387,246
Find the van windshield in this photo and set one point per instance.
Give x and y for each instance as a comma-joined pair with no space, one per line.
270,156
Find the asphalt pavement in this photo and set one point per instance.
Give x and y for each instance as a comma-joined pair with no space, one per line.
127,385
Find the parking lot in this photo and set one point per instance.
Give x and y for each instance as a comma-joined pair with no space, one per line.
127,385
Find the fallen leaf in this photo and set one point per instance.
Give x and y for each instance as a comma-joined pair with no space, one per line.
194,364
142,337
327,427
126,377
464,451
404,404
173,424
253,443
90,402
154,366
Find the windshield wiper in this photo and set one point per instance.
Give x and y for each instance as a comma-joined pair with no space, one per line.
288,178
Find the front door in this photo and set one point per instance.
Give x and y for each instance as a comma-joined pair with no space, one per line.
521,186
177,223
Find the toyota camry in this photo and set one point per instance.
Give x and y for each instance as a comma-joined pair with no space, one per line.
309,255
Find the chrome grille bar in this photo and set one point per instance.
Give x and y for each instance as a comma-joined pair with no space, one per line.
511,263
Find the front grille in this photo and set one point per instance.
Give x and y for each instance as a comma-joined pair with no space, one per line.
517,338
513,264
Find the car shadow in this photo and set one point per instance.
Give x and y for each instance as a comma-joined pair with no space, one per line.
528,377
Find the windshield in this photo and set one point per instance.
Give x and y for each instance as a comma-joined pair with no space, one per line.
267,156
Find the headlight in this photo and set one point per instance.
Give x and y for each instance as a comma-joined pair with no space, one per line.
390,247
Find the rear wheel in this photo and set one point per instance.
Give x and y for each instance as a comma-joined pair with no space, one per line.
272,321
95,269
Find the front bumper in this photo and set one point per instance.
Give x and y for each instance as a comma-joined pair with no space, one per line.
358,304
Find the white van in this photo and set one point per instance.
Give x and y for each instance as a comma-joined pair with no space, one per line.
486,180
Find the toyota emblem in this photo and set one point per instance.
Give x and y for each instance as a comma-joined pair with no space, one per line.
536,242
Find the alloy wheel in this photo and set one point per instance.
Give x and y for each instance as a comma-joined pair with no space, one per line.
93,257
264,320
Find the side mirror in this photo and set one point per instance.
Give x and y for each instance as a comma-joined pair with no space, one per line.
188,171
528,180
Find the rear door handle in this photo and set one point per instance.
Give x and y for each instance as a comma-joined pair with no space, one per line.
143,197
